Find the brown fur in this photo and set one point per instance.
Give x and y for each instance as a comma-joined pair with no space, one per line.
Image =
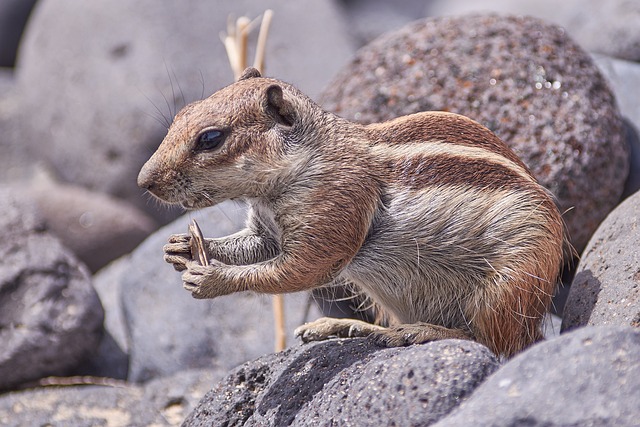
430,215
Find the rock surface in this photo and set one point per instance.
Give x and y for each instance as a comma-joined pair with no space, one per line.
50,316
608,27
164,402
98,228
13,17
606,287
621,76
589,377
347,382
144,59
167,330
522,78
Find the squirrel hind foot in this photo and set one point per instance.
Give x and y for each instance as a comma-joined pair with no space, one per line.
415,333
327,327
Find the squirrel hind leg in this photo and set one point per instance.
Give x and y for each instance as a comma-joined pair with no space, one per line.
415,333
327,327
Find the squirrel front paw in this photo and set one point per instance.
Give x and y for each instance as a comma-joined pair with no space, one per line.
205,281
178,251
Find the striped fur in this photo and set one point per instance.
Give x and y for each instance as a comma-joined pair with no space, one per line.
430,215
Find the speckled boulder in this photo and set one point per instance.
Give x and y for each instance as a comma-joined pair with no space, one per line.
606,288
522,78
347,382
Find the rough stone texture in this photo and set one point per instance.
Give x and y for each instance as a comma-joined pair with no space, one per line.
588,378
50,316
103,77
606,288
167,330
98,228
347,382
524,79
609,27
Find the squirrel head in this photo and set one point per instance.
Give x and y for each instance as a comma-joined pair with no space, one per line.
229,145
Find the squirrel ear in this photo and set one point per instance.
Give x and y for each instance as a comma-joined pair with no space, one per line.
278,108
249,73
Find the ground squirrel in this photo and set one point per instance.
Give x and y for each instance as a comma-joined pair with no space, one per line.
430,215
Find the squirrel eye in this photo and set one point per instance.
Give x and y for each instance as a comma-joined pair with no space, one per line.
209,140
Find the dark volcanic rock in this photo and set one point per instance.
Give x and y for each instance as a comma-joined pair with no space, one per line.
347,382
522,78
606,288
50,315
588,378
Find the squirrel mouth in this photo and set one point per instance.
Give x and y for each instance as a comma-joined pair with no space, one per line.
191,204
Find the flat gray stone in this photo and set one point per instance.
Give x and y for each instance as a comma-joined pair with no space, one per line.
606,287
586,378
347,382
50,315
524,79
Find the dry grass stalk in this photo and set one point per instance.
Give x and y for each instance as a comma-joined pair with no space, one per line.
236,44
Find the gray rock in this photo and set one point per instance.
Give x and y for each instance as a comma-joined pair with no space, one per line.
623,76
111,359
370,18
606,287
50,316
176,396
15,159
7,83
588,378
167,330
347,382
608,27
79,406
524,79
96,73
163,402
13,18
98,228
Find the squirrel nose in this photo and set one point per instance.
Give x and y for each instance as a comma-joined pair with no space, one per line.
145,178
